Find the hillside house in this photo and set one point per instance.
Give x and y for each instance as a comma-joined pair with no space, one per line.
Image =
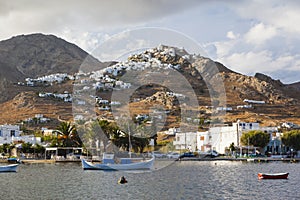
78,117
115,103
172,131
244,106
48,132
59,78
224,108
254,101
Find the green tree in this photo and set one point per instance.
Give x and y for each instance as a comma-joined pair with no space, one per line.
139,144
39,148
255,138
292,139
107,129
67,135
6,148
121,140
27,148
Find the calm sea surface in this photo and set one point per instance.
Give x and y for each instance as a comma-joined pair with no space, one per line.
179,180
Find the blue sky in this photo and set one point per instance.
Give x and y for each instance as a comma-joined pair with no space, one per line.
247,36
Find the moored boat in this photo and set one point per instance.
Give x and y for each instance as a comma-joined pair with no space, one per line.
9,168
273,176
13,160
125,164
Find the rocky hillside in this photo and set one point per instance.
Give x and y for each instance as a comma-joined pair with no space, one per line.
295,85
30,56
149,73
281,101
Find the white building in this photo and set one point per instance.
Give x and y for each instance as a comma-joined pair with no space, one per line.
172,131
8,130
48,132
224,108
219,138
10,133
186,140
254,101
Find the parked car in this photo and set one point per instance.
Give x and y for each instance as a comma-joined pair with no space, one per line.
173,155
209,153
213,153
158,154
256,155
187,154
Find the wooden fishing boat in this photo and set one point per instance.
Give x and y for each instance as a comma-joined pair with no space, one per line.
9,168
273,176
127,165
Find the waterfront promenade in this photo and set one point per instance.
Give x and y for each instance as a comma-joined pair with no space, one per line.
258,159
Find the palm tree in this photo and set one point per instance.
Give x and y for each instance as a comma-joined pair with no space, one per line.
68,135
105,132
140,143
121,140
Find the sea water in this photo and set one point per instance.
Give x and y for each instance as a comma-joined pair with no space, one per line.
168,180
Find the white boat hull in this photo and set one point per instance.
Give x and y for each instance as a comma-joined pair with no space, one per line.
9,168
143,165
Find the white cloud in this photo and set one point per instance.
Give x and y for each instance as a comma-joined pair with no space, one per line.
225,48
54,16
280,14
86,40
231,35
248,62
260,33
263,61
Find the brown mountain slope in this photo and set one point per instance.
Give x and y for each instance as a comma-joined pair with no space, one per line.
30,56
295,85
26,105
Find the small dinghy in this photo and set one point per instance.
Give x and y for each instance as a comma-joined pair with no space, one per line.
273,176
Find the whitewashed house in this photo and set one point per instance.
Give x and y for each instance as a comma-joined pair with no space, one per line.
186,140
48,132
8,130
172,131
219,138
244,106
78,117
254,101
224,108
10,133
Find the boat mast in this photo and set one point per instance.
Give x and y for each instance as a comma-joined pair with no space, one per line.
129,141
